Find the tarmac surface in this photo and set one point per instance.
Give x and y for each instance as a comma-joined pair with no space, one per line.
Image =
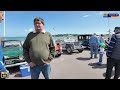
75,66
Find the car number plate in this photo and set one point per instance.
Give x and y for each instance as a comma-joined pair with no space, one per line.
9,62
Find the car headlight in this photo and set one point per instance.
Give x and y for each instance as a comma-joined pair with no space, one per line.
21,57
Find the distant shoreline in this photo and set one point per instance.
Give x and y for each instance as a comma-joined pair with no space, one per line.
53,35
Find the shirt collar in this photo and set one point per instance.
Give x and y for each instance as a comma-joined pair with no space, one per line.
43,31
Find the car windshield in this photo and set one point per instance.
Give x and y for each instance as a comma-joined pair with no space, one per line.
12,44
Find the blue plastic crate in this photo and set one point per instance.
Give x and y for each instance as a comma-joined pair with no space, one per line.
25,70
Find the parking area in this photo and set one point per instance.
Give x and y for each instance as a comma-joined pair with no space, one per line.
74,66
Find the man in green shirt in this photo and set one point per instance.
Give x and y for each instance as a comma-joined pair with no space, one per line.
39,50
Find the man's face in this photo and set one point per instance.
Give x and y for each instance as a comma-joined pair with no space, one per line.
38,26
1,16
117,31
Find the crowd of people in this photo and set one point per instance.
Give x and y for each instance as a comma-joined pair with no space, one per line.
112,51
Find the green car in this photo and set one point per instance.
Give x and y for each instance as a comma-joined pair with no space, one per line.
13,53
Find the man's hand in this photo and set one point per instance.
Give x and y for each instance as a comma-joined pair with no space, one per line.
31,64
50,58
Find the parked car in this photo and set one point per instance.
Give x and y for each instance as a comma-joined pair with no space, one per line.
70,47
13,52
85,44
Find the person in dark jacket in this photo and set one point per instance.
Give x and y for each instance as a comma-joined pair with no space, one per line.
113,55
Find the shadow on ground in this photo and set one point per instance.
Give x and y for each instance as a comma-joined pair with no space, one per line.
95,65
87,49
65,53
82,58
18,75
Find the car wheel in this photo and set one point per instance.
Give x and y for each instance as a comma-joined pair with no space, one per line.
59,55
69,50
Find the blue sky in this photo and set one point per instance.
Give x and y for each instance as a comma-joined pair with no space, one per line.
20,23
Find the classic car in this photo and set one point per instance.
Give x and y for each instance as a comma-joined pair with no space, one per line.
13,52
70,47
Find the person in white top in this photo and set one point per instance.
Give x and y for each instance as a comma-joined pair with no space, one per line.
101,53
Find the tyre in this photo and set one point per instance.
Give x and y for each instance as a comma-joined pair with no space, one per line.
58,54
69,50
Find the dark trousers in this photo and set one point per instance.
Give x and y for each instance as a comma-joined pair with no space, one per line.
110,64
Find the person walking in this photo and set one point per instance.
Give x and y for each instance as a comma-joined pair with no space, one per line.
94,44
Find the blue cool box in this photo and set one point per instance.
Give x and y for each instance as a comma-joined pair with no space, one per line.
25,70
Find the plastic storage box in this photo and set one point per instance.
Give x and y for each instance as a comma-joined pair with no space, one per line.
25,70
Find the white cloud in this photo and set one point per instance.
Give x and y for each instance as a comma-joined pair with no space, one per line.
85,16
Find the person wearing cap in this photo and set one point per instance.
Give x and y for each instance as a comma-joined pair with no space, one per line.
113,55
39,50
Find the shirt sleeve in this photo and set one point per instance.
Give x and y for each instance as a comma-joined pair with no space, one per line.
111,45
26,47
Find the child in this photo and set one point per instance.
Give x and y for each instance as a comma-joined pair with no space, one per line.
101,53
